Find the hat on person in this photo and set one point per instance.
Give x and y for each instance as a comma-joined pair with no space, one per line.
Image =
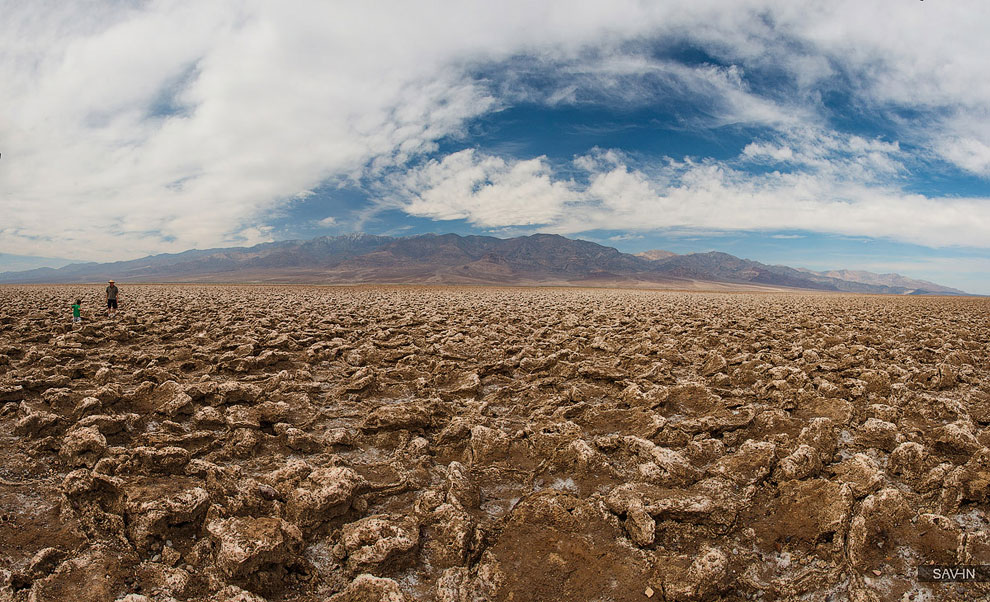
110,281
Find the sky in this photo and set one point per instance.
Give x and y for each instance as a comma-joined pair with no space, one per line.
824,135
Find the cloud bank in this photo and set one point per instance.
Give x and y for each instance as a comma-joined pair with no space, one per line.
135,128
835,195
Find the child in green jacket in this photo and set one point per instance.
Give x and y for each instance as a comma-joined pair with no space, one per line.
76,309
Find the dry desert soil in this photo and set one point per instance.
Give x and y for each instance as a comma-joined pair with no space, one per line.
455,444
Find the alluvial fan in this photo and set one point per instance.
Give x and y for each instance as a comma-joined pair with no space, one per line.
373,443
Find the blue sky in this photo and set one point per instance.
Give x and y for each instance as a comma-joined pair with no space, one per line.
818,135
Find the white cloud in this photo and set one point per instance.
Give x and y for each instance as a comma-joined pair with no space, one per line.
841,157
487,191
968,153
327,222
718,196
162,126
830,198
619,76
924,56
758,150
146,127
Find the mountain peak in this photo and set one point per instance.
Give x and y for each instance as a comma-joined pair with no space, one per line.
656,254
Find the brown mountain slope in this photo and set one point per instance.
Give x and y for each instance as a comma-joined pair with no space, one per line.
453,259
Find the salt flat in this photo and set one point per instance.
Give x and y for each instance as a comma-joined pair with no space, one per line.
489,443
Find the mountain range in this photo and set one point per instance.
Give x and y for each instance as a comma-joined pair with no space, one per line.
539,259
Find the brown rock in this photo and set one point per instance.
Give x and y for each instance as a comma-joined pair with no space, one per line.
44,562
242,417
154,460
170,398
9,393
301,441
247,545
704,577
487,445
640,526
380,543
908,459
874,531
712,502
956,439
87,406
232,593
151,516
36,424
939,539
208,417
544,538
368,588
975,548
454,585
802,463
324,494
460,488
232,392
970,482
83,446
877,381
404,416
814,511
714,363
448,537
820,434
877,434
861,473
110,425
662,465
94,575
945,378
751,464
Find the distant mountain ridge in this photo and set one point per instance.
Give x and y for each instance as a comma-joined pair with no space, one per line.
454,259
11,262
893,280
731,268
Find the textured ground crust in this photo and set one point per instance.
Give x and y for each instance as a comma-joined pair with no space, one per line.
374,443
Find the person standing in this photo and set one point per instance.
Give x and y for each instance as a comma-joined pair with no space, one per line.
76,311
112,293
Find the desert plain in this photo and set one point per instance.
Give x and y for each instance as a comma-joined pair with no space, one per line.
293,443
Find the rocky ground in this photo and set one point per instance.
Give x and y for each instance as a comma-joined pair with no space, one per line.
454,444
